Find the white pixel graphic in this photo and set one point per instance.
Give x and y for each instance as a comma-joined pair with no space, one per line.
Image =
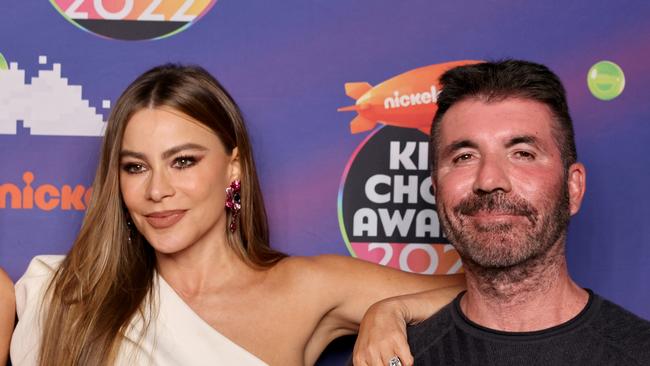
47,106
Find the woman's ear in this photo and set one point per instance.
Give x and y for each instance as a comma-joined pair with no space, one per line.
234,165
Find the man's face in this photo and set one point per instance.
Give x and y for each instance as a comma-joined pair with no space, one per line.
502,193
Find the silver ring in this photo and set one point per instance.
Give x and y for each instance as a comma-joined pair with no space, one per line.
394,361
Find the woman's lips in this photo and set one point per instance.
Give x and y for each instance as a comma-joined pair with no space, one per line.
164,219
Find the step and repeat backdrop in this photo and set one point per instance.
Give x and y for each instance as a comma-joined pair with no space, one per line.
338,97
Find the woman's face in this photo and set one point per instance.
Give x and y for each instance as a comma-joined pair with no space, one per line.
173,173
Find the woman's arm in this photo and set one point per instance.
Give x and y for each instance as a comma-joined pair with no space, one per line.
336,292
7,314
382,334
357,285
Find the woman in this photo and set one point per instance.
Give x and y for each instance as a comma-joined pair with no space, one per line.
7,314
162,273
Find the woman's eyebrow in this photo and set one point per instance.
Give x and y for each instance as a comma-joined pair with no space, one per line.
133,154
168,153
189,146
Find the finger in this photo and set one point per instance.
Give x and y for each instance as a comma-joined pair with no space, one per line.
393,360
403,351
400,348
388,350
363,356
406,358
359,357
381,360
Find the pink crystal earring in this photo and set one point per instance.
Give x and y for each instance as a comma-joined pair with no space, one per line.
233,202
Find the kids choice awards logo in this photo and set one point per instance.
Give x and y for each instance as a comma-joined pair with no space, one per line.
386,208
133,19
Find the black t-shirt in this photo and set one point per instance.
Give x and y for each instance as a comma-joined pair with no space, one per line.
603,333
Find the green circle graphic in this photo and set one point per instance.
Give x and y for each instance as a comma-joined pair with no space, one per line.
3,63
606,80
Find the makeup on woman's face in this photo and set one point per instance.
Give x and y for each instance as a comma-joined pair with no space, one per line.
173,172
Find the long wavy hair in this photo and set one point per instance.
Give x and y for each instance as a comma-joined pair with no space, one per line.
105,279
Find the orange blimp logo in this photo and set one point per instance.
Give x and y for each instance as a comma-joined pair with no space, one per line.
406,100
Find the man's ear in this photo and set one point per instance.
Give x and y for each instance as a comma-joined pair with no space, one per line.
433,185
577,184
234,165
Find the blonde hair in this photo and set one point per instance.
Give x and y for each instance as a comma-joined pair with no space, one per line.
104,280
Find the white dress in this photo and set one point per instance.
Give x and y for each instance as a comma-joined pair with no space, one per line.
176,334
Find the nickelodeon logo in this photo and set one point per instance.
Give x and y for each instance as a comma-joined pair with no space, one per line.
406,100
401,101
46,197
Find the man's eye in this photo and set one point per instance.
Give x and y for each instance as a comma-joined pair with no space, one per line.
133,168
183,162
525,155
462,157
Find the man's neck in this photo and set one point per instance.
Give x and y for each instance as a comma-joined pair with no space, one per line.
532,296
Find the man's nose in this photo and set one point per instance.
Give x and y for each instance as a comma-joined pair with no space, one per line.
492,175
159,185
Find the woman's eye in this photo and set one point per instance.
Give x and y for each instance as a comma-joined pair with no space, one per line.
133,168
183,162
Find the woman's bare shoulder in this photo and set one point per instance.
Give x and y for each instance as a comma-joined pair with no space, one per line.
324,265
7,294
310,275
6,284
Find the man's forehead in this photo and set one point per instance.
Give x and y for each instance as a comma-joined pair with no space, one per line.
495,119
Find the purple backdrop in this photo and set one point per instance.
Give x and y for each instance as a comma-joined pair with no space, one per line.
286,63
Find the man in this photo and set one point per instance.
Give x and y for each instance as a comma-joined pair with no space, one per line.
506,181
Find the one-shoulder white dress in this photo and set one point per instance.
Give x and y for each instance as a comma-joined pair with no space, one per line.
176,335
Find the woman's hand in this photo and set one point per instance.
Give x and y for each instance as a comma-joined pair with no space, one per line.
382,334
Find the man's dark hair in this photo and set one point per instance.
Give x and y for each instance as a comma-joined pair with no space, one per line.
500,80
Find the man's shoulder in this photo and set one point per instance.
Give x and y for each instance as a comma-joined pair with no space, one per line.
623,330
617,320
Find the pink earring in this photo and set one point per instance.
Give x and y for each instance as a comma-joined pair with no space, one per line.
233,202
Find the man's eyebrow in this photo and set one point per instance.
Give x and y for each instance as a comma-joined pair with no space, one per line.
457,145
523,139
168,153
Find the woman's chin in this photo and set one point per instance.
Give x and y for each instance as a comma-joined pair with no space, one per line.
168,246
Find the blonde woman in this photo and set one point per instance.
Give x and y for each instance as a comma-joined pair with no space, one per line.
7,314
172,265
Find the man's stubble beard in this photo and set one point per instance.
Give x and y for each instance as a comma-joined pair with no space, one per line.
503,255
